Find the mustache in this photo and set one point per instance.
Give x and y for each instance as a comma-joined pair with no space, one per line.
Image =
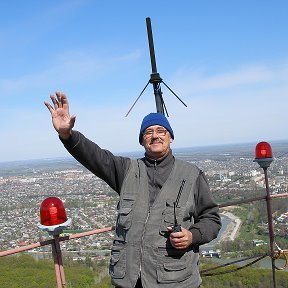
158,139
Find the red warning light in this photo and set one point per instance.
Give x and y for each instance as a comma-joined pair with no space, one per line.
263,153
263,150
52,212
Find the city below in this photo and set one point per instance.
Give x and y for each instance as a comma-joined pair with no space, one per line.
91,203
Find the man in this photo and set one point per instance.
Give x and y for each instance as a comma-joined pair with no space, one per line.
149,249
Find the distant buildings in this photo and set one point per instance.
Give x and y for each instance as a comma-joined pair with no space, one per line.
91,203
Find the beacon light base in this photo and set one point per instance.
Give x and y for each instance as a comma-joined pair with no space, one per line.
55,229
263,162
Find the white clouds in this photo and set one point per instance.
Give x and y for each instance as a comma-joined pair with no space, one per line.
191,82
86,63
69,68
246,104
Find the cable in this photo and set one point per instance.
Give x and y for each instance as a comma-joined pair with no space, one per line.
203,272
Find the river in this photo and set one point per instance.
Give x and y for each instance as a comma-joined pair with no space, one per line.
225,222
264,263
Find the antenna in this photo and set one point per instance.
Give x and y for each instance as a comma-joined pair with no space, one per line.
155,78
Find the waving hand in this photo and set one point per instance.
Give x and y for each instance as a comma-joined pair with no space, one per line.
61,119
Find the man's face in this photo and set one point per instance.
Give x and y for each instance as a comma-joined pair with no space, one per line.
156,141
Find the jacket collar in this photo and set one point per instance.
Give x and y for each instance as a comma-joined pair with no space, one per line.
167,159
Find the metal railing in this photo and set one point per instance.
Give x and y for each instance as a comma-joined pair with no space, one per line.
56,251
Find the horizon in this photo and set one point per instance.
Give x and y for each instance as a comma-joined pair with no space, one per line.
176,149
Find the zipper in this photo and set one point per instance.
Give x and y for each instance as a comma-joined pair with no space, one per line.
142,238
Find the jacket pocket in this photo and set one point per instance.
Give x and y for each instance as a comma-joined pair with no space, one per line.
117,267
124,219
174,269
168,216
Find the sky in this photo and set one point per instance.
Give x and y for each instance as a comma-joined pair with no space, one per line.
227,60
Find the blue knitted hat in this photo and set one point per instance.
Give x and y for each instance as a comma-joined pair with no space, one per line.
154,119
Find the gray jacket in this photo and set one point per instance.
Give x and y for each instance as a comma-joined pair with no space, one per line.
141,245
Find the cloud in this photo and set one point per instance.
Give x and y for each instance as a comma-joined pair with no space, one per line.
69,68
190,82
243,105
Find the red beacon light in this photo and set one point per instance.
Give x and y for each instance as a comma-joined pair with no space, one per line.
263,154
53,217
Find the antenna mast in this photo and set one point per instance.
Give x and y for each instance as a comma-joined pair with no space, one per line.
155,78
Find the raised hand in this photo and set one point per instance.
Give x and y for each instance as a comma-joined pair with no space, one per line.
61,119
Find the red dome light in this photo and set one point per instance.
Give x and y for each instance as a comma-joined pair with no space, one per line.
52,212
263,150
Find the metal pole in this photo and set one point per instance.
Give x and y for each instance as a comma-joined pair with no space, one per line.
155,78
158,98
56,266
59,260
151,45
270,227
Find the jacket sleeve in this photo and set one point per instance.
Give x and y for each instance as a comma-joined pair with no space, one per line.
111,169
207,219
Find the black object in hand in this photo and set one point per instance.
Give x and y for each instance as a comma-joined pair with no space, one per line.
176,227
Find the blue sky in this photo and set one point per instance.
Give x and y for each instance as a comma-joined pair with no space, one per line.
227,60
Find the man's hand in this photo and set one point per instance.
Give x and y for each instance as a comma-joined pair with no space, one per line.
61,119
180,240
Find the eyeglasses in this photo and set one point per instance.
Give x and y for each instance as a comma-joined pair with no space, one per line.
159,131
